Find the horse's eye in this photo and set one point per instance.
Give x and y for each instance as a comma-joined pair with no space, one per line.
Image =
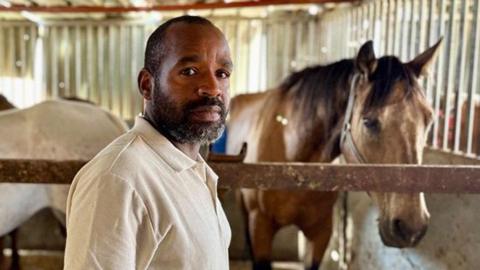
372,124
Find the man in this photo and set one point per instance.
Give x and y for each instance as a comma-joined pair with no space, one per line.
148,200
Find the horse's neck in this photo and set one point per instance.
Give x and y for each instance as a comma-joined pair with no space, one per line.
315,138
320,141
313,146
267,141
245,113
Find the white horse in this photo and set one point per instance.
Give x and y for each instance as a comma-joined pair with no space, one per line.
54,129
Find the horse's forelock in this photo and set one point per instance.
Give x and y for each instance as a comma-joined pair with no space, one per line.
389,71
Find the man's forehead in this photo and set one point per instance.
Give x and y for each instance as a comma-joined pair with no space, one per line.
186,40
185,33
224,61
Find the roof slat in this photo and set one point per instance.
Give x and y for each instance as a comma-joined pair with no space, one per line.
98,8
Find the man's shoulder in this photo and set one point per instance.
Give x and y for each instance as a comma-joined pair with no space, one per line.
129,157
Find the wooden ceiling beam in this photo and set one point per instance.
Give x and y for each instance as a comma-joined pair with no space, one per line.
120,9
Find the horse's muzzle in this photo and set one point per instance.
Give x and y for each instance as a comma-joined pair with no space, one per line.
400,234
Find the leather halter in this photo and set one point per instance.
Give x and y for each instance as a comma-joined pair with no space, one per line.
347,144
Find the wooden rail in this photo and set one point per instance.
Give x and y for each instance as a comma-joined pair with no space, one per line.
293,176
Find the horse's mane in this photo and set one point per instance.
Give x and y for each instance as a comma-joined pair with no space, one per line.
326,85
318,94
318,86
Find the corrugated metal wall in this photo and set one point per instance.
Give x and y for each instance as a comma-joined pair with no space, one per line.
96,61
17,63
99,61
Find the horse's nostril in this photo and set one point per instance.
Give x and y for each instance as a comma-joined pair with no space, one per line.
401,229
404,232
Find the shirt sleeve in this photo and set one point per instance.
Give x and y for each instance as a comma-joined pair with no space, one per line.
108,226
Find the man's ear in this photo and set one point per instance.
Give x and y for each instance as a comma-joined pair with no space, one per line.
145,83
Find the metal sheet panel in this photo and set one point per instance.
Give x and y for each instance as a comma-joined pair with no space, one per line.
473,82
439,77
451,66
461,66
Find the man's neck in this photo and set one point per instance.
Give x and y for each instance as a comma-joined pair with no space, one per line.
189,149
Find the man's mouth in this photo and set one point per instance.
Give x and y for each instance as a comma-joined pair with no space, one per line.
208,113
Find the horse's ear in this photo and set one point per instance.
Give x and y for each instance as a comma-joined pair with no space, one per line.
366,62
423,62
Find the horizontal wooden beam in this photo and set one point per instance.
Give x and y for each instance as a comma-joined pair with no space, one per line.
293,176
328,177
38,171
123,9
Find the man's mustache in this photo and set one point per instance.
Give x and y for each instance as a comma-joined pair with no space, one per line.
206,101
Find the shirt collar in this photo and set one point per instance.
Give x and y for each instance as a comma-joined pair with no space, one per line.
175,158
211,175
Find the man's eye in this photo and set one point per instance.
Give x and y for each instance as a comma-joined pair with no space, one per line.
188,72
223,74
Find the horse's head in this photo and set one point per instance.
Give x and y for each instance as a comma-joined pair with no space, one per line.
387,122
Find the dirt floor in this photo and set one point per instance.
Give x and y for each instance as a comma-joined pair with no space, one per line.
40,260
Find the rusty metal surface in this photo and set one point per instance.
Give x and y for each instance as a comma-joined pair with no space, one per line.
38,171
314,176
327,177
212,157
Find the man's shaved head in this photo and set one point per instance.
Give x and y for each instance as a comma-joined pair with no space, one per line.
156,48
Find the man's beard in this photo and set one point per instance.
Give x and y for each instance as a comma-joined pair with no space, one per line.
175,122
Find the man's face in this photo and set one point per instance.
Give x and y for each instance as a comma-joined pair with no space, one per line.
190,98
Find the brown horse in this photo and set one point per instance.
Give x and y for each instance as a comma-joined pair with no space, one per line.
383,113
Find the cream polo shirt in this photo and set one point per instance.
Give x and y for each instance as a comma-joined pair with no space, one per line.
143,204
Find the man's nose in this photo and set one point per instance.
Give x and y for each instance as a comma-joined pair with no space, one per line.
209,86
